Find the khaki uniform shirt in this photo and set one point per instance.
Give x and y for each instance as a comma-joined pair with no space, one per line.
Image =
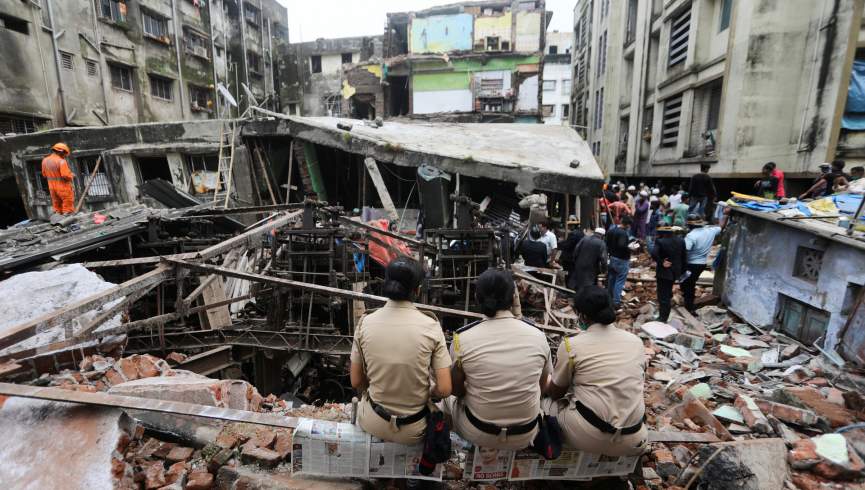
398,344
607,373
503,358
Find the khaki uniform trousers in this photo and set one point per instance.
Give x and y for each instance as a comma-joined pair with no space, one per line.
582,435
453,407
372,423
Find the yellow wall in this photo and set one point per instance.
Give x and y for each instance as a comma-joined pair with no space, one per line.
495,25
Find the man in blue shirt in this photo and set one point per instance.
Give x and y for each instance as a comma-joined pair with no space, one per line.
698,243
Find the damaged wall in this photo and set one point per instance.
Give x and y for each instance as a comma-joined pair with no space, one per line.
761,267
441,33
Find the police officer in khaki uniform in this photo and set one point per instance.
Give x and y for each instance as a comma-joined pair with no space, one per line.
501,365
602,370
394,351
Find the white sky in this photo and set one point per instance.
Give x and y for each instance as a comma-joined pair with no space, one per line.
309,20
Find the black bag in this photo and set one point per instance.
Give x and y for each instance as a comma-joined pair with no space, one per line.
436,443
548,441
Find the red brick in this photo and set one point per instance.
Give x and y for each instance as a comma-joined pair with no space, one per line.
803,456
264,438
819,381
851,470
283,443
754,417
146,365
260,456
175,472
128,367
154,475
114,377
199,480
665,464
179,453
788,413
175,357
227,439
813,399
219,459
164,448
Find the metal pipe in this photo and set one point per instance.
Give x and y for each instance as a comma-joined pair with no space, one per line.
57,63
177,38
97,35
243,50
42,60
213,61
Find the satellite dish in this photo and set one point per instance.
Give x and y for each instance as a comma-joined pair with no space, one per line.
226,94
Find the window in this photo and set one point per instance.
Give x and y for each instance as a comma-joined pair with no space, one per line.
549,85
100,187
715,91
599,108
802,321
66,61
602,55
566,86
808,263
565,110
37,182
492,43
14,24
553,49
254,61
315,63
679,31
17,125
333,105
199,98
346,58
252,14
121,77
113,10
160,87
851,296
548,110
196,44
726,10
92,68
154,25
631,28
491,87
670,123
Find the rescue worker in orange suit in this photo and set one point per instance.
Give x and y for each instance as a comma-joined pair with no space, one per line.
56,170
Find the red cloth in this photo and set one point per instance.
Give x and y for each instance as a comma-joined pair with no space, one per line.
382,254
780,176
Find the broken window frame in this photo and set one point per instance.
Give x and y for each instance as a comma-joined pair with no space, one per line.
101,189
38,183
197,94
332,105
799,319
121,77
14,24
161,86
202,162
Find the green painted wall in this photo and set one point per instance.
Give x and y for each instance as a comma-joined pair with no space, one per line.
428,82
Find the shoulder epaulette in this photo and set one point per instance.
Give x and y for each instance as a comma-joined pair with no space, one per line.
470,325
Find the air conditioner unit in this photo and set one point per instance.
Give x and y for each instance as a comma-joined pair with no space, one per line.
200,51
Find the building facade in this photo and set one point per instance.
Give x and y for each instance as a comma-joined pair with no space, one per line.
471,61
556,98
107,62
320,65
662,86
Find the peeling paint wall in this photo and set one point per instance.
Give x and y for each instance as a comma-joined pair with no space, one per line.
760,266
441,33
528,32
493,26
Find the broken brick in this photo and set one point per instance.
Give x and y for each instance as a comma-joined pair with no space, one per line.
114,377
219,459
176,473
128,367
263,438
665,464
754,418
199,480
164,448
265,458
283,443
175,357
812,399
154,475
227,439
179,453
788,413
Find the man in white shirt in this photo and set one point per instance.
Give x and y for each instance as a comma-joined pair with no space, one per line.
548,238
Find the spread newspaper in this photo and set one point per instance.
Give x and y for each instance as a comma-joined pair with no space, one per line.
324,448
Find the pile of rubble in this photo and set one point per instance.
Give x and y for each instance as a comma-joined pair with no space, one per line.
772,409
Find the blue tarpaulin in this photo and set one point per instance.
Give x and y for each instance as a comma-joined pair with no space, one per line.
854,112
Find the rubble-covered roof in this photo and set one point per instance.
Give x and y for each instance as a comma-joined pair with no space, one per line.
826,230
533,156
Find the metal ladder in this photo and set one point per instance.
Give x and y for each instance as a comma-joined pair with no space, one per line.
226,162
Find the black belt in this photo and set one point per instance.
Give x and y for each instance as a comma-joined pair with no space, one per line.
492,429
601,424
400,421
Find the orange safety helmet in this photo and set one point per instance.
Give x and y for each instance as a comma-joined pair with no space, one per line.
61,147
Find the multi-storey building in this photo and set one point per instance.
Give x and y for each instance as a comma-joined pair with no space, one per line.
107,62
556,103
662,86
471,61
320,66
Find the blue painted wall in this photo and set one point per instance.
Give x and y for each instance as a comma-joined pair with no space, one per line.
441,33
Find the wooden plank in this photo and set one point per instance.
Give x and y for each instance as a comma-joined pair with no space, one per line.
135,261
218,317
378,182
67,313
247,238
343,293
147,405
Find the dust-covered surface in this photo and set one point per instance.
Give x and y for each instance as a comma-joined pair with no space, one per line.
24,297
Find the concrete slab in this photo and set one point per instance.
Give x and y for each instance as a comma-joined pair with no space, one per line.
251,479
193,388
61,445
